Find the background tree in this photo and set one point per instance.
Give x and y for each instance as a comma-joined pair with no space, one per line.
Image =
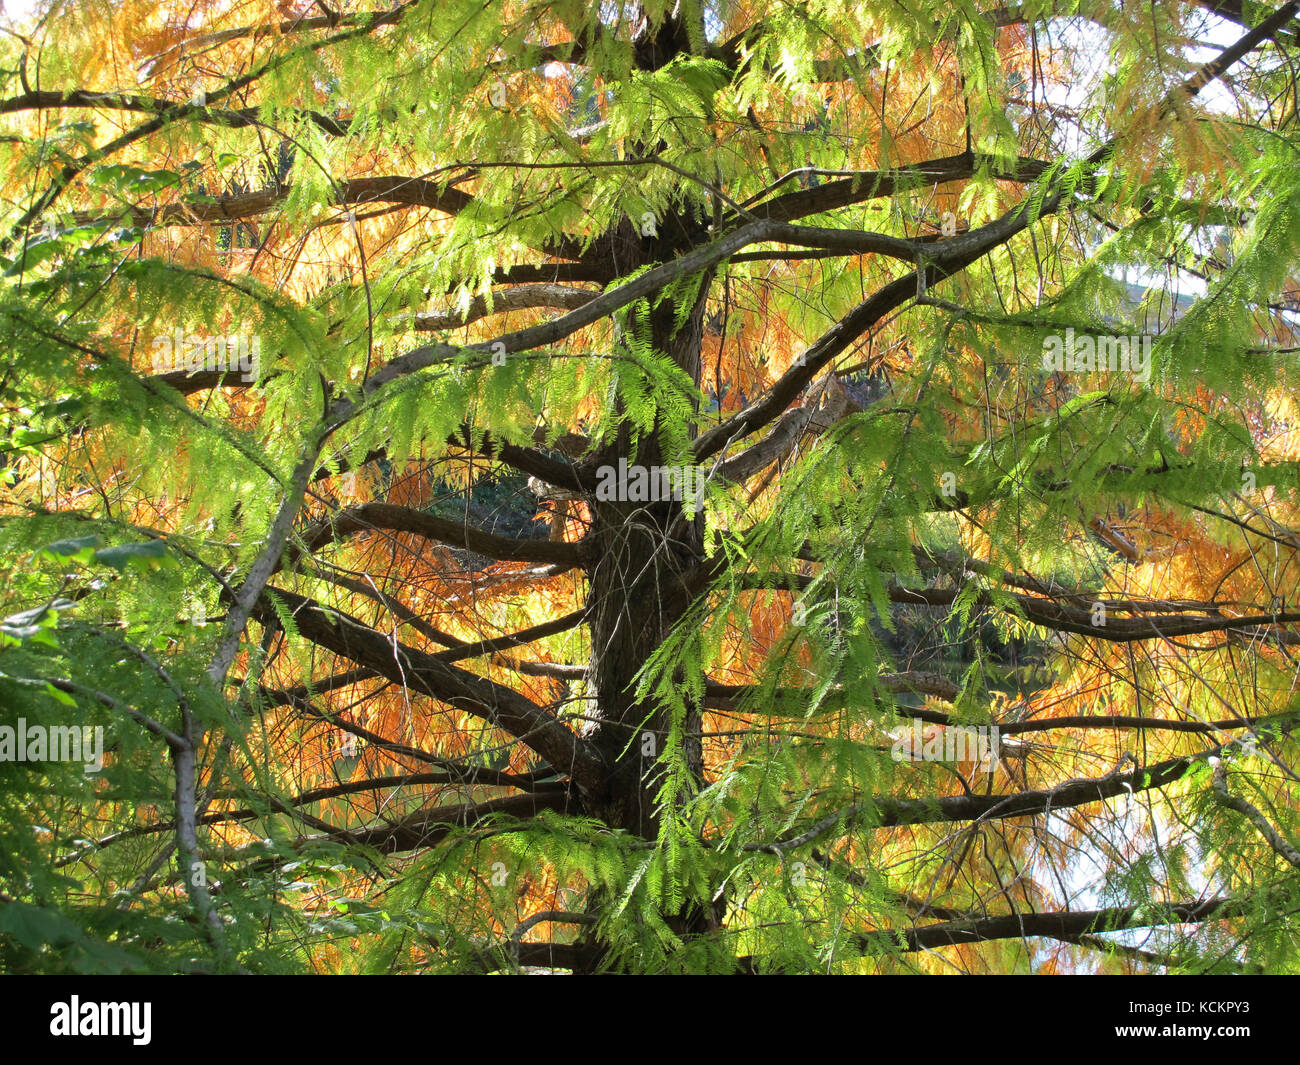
324,327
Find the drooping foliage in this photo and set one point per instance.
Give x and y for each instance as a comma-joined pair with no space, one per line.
324,327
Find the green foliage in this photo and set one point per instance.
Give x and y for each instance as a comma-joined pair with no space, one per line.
413,169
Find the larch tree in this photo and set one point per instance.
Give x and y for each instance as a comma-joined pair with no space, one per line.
649,487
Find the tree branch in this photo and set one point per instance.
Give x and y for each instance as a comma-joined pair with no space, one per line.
370,517
408,667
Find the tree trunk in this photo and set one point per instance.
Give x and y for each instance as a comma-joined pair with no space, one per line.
636,596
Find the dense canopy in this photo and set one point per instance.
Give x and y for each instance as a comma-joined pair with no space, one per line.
649,487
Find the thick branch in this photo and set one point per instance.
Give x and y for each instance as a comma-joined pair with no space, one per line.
427,827
369,517
890,812
151,105
1054,925
495,703
413,192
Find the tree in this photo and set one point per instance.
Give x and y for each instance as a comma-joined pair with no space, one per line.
816,338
